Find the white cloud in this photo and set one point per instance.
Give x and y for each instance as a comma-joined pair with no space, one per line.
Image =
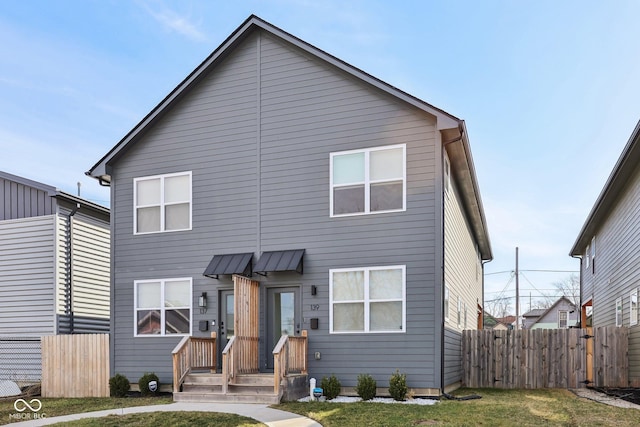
174,21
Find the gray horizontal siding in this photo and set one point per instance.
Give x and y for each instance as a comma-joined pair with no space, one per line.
27,271
260,164
463,276
617,267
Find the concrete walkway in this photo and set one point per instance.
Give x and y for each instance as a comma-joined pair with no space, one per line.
269,416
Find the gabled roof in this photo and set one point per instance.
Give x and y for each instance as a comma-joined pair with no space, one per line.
101,170
622,171
53,192
536,312
453,129
550,309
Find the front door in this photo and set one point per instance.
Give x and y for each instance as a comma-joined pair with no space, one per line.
283,317
225,322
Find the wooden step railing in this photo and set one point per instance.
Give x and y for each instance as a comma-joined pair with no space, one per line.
193,353
289,357
240,356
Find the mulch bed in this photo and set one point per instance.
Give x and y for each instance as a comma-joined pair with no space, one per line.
629,394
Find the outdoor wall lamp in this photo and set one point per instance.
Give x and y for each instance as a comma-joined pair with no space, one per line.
202,302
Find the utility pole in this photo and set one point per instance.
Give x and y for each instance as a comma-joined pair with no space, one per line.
517,293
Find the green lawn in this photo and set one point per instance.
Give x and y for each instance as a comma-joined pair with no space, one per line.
519,408
551,407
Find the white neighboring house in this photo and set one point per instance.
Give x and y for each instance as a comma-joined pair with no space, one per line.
54,271
562,314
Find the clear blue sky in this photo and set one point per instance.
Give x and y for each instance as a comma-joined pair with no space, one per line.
549,90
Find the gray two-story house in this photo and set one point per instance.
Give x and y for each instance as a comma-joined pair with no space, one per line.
54,271
280,192
608,246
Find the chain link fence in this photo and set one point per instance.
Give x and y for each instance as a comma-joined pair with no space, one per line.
21,360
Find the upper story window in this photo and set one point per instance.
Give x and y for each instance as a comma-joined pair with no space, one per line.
563,319
162,307
367,181
619,312
633,307
369,299
447,173
593,254
446,303
162,203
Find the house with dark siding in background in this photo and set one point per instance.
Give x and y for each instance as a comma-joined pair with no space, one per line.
349,207
54,271
608,246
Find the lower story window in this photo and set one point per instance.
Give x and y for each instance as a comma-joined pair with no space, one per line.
162,307
367,299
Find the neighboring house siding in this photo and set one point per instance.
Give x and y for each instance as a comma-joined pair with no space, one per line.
258,146
550,319
463,276
617,268
91,261
27,270
23,201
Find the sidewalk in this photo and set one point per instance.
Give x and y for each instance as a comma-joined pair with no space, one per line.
270,417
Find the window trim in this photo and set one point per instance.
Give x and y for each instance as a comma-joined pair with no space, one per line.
447,173
459,312
162,204
446,303
618,311
162,308
566,313
367,302
367,181
632,321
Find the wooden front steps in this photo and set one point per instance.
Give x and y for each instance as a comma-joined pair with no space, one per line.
206,387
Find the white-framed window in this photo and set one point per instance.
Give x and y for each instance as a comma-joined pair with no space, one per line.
633,307
447,173
162,203
367,299
446,303
619,312
587,257
367,181
162,307
563,319
593,254
459,312
465,315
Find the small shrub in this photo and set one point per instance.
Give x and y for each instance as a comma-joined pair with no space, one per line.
330,387
398,386
119,386
144,381
366,387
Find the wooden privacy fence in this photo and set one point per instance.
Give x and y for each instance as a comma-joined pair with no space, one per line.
546,358
75,365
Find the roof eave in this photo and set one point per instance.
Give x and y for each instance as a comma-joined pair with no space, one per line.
624,167
100,169
460,154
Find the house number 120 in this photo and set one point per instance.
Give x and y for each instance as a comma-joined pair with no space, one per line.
315,307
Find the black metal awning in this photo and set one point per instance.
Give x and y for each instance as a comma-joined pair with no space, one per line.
280,261
229,264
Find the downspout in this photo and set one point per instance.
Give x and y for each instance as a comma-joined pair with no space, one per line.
442,225
580,282
69,268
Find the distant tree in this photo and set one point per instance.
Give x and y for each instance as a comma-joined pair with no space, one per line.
499,307
570,288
